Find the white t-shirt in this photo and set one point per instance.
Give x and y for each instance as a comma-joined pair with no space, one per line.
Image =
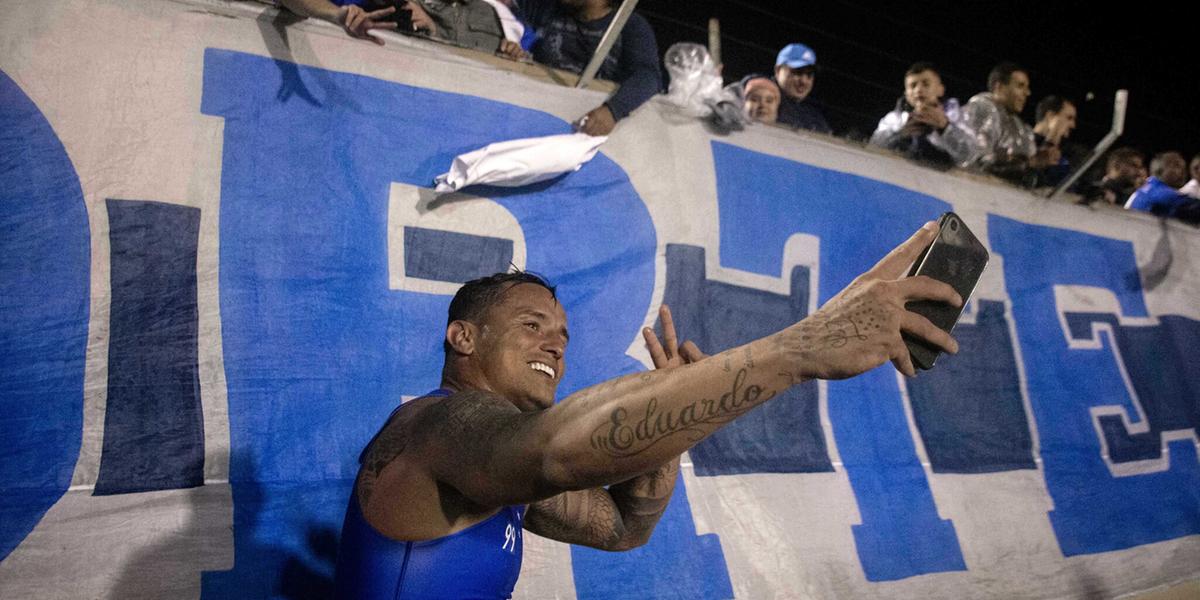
1191,188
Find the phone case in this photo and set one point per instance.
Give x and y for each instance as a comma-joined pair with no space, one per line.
958,258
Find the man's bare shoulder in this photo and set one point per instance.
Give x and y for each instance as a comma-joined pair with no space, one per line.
398,488
411,439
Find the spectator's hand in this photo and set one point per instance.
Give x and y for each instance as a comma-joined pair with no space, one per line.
671,354
860,328
421,21
358,23
1045,157
914,128
931,115
599,121
512,50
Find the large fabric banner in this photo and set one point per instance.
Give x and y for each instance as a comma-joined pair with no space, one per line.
222,265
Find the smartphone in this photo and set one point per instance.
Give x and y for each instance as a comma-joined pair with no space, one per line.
958,258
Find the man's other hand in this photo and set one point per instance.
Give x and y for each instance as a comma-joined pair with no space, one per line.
1047,156
512,50
358,23
421,21
931,115
598,122
669,353
860,328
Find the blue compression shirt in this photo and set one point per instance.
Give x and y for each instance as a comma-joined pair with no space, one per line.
479,562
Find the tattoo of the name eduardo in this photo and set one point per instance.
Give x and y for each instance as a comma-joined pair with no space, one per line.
626,435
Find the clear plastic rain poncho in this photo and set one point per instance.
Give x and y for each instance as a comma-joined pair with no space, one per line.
1002,136
696,87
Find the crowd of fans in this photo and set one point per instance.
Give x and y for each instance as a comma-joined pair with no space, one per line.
563,34
987,134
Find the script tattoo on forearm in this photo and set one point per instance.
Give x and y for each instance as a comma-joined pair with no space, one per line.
627,434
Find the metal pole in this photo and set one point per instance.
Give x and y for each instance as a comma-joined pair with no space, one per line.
714,41
606,42
1118,127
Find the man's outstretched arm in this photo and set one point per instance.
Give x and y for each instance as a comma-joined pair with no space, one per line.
490,452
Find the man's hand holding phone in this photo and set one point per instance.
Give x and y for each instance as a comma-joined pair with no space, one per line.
865,324
957,258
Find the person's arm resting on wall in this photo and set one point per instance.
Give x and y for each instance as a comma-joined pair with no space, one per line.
639,78
353,19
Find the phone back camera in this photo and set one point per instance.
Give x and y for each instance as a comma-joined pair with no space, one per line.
953,225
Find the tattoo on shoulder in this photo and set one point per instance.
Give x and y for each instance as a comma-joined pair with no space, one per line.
468,416
388,444
627,434
465,416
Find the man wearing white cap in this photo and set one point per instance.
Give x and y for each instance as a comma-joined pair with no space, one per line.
795,71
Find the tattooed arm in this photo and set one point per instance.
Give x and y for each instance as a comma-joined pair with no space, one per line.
482,446
624,515
618,518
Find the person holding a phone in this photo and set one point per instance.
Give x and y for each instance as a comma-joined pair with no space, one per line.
924,126
447,485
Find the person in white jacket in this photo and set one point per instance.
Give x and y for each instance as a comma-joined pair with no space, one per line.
923,126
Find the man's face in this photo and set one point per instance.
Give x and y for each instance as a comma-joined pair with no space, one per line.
924,88
1174,170
796,84
522,339
1195,168
1062,122
1131,171
1014,93
762,101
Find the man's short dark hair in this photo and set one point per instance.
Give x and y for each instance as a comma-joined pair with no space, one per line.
1158,163
1050,104
1124,154
475,297
921,67
1002,74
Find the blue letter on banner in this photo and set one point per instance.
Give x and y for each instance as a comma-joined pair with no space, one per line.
969,409
153,422
1138,497
45,271
763,201
781,436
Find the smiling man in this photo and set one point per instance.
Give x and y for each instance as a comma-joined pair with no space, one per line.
1006,143
796,73
446,486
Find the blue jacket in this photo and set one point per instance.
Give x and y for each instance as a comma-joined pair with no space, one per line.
1158,198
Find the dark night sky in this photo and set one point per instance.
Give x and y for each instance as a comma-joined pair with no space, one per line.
1069,49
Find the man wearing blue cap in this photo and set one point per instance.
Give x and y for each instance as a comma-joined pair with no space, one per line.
795,70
